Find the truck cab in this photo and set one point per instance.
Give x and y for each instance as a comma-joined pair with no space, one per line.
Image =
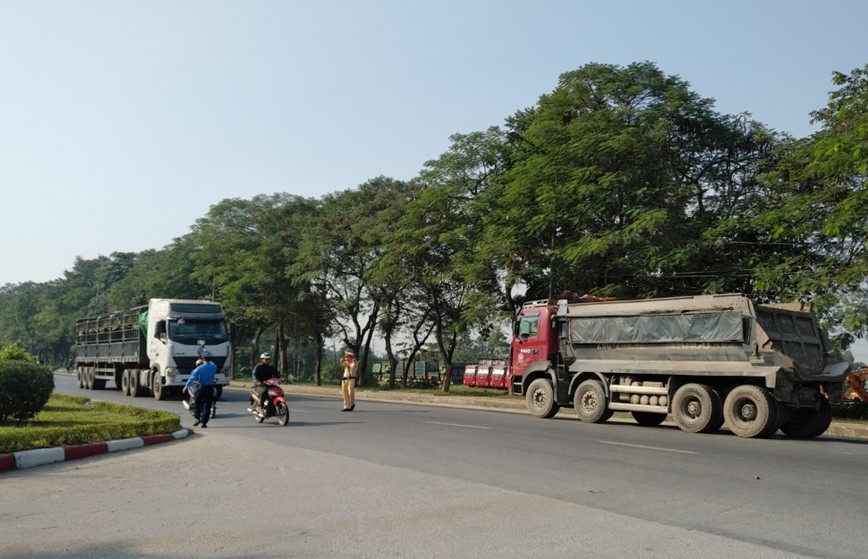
178,330
534,344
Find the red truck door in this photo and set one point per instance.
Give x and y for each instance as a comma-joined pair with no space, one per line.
531,339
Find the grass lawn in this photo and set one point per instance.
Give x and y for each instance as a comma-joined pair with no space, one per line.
67,420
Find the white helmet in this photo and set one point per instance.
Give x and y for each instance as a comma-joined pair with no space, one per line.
265,355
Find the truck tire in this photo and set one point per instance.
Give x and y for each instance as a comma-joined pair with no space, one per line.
80,375
751,412
540,399
808,423
697,408
125,382
590,402
135,384
88,379
157,387
648,419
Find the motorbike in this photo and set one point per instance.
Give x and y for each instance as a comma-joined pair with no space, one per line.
275,406
189,403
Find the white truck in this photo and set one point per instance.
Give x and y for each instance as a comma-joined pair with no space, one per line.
152,348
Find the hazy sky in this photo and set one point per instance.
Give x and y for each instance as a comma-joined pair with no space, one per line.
121,122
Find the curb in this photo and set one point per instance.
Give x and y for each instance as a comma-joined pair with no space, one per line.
41,456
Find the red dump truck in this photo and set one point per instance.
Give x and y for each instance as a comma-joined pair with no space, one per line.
705,361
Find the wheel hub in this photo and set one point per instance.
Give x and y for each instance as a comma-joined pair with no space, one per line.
694,409
748,411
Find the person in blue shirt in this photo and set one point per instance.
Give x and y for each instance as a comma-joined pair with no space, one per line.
201,382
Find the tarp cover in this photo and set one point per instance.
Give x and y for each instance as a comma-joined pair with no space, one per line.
662,328
143,324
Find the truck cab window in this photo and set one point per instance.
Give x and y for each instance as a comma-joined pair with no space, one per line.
528,327
190,332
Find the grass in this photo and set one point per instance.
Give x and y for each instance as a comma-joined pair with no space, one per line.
67,420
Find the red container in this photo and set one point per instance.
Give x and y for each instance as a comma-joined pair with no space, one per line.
470,375
498,377
483,376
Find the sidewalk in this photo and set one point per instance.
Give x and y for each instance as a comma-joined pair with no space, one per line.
513,404
41,456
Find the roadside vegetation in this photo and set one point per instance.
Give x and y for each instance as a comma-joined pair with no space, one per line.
620,182
67,420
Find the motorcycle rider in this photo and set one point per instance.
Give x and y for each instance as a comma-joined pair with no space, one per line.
202,382
261,373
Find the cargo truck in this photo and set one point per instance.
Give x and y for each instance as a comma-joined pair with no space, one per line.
705,361
152,348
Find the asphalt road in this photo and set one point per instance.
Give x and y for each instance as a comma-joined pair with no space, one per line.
407,480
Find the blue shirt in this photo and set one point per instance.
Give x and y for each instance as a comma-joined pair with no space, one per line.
203,374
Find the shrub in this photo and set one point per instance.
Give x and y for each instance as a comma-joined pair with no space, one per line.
24,389
14,353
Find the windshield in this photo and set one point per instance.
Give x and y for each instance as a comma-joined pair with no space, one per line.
197,332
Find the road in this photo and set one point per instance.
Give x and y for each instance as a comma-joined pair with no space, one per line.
406,480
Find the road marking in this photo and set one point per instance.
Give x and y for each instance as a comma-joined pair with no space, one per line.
649,447
457,425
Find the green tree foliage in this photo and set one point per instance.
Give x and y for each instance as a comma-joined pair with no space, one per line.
818,212
243,251
621,181
161,274
618,174
14,353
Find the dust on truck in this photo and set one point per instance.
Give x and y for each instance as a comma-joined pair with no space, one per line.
152,348
705,360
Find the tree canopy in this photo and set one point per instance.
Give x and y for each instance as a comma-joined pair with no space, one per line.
621,181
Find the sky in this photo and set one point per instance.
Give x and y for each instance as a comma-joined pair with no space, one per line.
121,123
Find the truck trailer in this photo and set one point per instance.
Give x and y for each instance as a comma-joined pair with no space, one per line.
152,348
704,360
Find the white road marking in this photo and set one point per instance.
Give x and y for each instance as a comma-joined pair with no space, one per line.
457,425
649,447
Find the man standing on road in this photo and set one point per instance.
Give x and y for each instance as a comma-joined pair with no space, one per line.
202,382
348,380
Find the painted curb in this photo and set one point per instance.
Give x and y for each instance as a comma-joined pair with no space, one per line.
41,456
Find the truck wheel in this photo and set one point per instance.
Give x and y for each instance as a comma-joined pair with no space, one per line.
125,382
540,399
697,408
88,380
590,402
648,419
218,391
808,423
80,375
751,412
135,384
157,387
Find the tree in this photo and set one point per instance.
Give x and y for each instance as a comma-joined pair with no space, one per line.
340,253
618,174
818,212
